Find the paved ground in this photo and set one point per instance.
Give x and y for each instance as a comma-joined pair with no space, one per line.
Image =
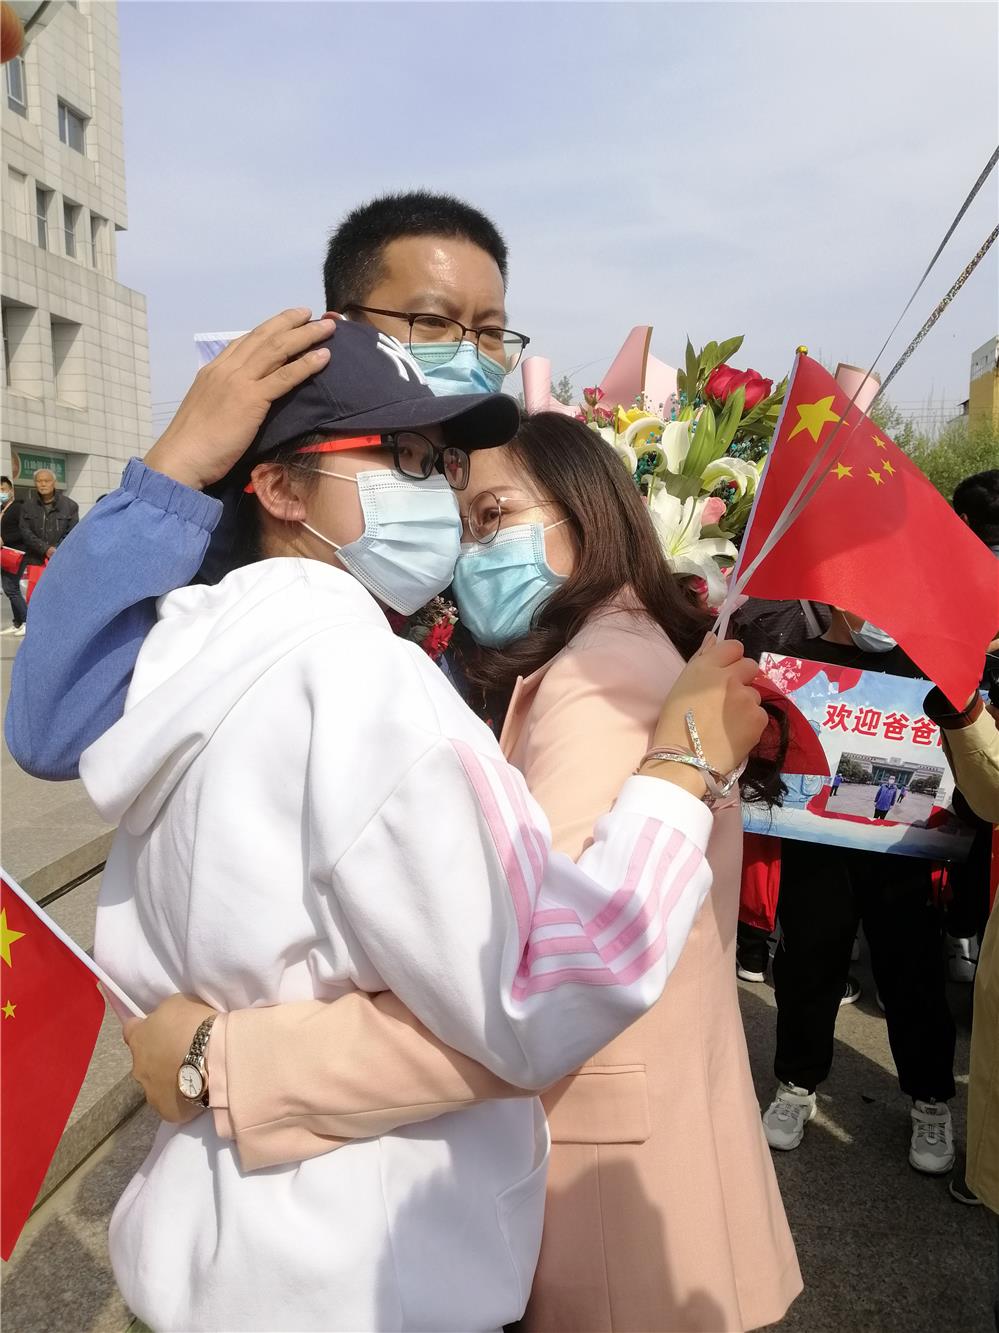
854,798
44,824
883,1249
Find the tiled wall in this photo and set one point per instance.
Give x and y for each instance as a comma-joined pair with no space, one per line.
99,413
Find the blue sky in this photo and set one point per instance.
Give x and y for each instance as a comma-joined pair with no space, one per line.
782,170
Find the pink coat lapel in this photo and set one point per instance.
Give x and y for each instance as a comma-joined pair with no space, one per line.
520,705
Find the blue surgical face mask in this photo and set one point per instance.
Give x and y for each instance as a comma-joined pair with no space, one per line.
4,497
870,639
498,588
464,372
412,535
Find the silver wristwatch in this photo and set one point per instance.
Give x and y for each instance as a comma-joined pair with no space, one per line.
192,1077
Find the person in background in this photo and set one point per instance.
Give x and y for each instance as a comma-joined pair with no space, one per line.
10,534
971,743
428,269
825,893
976,502
48,516
837,782
885,798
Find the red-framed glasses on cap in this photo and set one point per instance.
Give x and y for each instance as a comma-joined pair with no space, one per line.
413,455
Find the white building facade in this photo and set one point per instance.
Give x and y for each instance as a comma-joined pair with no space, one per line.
75,395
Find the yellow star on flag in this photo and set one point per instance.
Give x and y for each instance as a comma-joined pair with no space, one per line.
8,1009
813,416
887,467
842,471
876,477
876,439
7,938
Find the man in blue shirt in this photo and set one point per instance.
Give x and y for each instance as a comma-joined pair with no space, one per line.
427,269
887,794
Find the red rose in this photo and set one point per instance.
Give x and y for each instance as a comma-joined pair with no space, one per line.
592,396
438,638
724,380
720,383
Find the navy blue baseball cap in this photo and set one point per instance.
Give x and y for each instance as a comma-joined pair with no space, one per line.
372,384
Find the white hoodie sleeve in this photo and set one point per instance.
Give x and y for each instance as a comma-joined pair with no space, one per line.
517,956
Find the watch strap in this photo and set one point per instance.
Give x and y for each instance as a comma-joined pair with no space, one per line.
198,1050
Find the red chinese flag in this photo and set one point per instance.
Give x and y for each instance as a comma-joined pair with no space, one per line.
876,538
50,1014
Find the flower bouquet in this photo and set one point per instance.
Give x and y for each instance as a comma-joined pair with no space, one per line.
698,456
431,628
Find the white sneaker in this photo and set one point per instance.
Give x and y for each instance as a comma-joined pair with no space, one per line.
744,974
785,1118
932,1146
11,629
962,959
20,632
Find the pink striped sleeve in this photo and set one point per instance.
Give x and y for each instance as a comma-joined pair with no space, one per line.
626,938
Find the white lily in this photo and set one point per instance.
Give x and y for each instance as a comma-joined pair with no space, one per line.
674,442
642,433
626,454
744,475
678,525
607,433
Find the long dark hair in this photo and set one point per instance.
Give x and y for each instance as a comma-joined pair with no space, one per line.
618,550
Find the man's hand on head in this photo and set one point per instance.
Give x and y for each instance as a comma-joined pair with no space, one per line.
226,405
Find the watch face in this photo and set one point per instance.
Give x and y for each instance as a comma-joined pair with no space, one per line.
191,1082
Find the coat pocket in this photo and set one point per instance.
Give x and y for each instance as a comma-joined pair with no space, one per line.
520,1210
600,1104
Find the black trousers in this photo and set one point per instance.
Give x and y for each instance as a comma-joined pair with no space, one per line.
12,591
825,893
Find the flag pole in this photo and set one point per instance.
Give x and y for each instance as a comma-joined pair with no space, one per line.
112,987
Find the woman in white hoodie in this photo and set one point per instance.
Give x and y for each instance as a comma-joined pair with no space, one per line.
306,807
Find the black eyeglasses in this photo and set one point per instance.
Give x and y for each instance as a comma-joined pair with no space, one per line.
437,332
413,455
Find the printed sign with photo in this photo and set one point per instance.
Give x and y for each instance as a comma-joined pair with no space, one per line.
881,780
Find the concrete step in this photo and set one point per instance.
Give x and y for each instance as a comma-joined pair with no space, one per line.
59,1279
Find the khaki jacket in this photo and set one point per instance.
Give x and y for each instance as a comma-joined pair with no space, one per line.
973,751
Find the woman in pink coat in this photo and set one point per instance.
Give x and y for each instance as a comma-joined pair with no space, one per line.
663,1211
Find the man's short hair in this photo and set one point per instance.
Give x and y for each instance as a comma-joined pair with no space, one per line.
7,480
977,498
354,256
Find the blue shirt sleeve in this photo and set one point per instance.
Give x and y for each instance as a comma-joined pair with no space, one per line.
91,611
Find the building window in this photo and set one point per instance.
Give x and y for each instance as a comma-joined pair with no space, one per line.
67,362
96,239
42,200
6,348
72,128
70,218
17,92
20,357
16,201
